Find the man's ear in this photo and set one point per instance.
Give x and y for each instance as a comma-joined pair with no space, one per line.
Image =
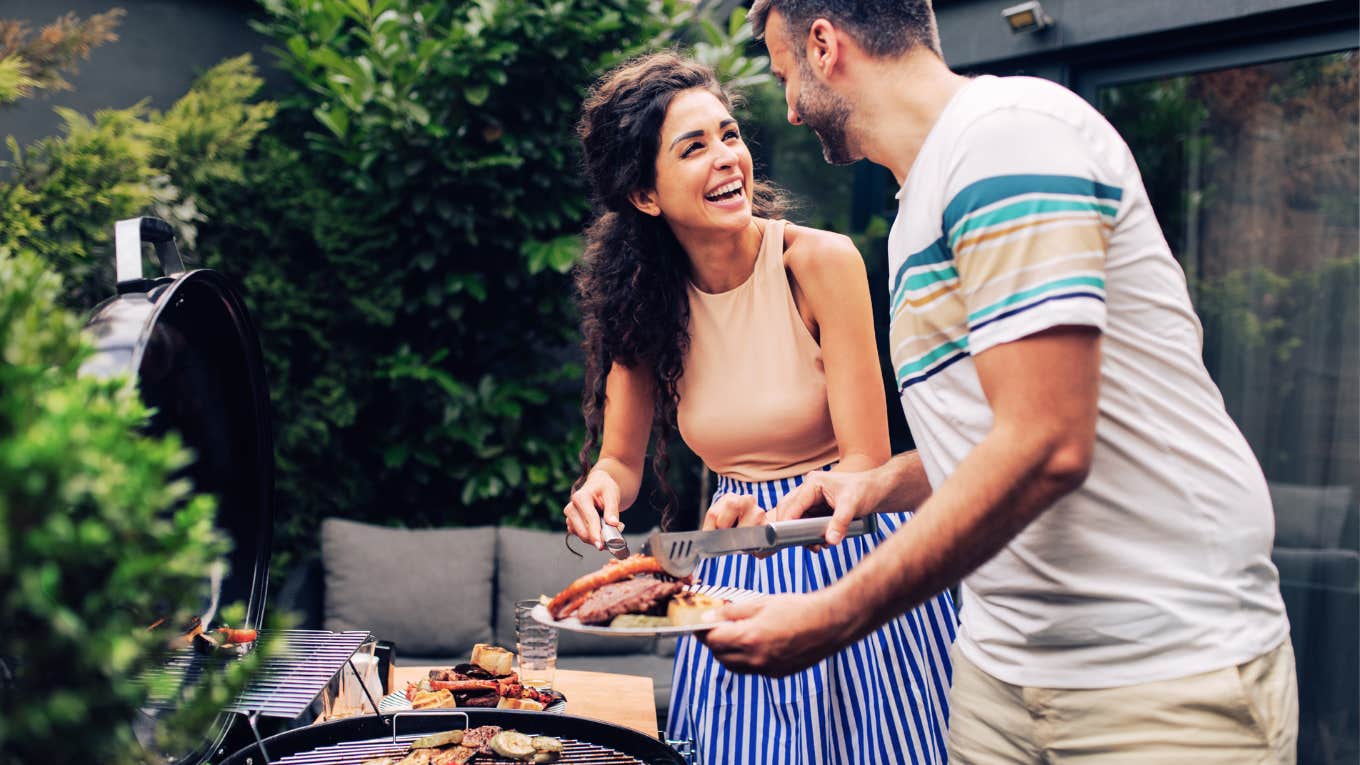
823,48
645,201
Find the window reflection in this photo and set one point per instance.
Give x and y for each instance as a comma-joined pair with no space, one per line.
1253,173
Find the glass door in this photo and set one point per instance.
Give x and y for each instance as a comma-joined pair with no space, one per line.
1254,173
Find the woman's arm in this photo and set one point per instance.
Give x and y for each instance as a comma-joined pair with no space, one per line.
612,484
832,288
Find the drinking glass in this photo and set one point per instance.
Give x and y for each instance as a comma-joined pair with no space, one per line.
536,644
344,696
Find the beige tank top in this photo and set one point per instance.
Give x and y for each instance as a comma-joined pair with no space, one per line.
753,394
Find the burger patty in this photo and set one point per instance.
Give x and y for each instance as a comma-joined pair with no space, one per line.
631,596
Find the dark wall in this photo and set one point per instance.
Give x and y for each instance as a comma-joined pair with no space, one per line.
162,45
975,36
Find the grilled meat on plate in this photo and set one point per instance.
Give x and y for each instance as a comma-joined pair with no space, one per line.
631,596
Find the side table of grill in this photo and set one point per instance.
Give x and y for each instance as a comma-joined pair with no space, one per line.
625,700
299,664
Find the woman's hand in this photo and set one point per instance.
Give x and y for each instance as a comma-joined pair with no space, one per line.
596,501
734,510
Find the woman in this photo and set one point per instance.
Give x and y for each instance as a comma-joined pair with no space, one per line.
753,337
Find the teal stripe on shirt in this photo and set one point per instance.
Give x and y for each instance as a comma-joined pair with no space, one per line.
989,191
906,370
1019,297
1023,209
923,279
931,254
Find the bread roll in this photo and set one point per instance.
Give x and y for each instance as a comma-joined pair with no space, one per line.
493,659
688,608
529,704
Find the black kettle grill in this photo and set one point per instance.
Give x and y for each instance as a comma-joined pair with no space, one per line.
357,739
188,342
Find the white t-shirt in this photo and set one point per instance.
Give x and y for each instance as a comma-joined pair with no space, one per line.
1025,211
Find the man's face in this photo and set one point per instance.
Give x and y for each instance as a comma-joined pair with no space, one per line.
810,101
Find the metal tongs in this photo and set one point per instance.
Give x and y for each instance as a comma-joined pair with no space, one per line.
614,541
680,552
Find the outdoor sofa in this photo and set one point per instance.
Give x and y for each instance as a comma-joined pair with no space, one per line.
435,593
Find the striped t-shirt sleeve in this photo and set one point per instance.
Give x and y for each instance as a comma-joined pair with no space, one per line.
1028,224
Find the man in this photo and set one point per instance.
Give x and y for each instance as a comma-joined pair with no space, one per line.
1077,469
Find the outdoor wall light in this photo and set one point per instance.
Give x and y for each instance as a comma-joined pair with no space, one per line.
1027,17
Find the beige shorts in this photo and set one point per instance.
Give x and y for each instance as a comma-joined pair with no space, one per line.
1242,715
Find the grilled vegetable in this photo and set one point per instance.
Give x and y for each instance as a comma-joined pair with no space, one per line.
438,739
542,758
237,637
513,744
639,620
547,744
458,755
418,757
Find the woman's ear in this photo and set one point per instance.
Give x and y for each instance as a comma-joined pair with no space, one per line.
645,201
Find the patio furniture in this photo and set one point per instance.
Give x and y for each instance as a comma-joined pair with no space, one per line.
436,592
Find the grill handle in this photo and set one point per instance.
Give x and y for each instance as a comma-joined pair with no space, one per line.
420,712
128,238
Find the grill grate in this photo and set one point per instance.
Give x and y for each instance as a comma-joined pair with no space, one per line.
289,680
355,752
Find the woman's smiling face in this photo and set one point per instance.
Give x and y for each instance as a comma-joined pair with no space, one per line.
703,168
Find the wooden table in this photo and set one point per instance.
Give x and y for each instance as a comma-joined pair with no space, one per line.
626,700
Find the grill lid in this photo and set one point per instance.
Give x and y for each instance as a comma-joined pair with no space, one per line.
188,342
352,741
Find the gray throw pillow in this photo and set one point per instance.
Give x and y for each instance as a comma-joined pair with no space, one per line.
534,563
1309,517
427,590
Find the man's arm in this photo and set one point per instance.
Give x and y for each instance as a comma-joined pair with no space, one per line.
1043,391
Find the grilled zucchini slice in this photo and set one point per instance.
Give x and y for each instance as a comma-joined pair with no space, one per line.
513,745
436,740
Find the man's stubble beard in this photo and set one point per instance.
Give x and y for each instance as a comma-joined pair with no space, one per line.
826,113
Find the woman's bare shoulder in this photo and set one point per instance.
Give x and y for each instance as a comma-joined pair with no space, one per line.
815,253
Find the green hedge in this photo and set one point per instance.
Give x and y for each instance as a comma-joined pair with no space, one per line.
404,235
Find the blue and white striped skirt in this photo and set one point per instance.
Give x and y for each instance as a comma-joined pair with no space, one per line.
882,700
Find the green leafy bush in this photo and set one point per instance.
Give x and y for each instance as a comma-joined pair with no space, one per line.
404,234
96,539
67,190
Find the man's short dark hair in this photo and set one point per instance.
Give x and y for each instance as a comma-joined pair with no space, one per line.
883,28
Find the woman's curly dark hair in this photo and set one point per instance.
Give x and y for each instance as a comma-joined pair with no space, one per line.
632,281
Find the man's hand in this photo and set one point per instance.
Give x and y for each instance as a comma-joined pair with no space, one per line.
849,495
776,635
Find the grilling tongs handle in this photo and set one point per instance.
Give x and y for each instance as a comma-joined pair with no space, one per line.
128,237
804,531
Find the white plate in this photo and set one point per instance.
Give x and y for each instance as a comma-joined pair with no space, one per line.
396,702
733,594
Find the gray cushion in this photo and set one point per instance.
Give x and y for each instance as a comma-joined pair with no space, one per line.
666,645
427,590
1309,516
534,563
